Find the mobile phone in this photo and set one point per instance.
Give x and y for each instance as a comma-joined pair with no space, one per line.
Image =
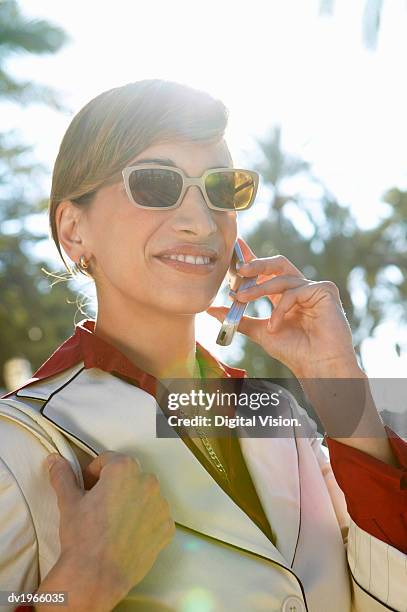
236,312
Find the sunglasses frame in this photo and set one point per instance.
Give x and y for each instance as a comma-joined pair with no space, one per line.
186,183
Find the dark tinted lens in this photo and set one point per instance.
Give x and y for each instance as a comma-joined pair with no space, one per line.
155,187
230,189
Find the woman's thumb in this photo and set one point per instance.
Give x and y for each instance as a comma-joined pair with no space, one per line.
252,327
63,481
219,312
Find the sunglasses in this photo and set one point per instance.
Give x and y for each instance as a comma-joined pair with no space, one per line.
161,188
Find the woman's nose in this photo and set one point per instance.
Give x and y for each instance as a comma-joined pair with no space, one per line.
194,215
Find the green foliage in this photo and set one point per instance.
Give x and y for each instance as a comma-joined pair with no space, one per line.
33,319
321,237
21,35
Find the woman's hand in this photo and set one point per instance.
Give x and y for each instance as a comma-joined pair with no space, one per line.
309,333
307,330
110,535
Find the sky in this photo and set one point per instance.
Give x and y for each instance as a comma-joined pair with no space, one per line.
341,106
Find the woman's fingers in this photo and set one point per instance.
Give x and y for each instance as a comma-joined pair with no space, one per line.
248,254
278,284
64,482
101,461
293,291
308,294
278,264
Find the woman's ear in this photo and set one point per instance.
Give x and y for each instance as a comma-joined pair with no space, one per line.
67,219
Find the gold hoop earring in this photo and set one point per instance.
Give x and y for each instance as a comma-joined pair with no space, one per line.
83,264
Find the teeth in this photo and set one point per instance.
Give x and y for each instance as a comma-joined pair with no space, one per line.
191,259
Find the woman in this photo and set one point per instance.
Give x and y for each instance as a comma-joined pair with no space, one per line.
260,524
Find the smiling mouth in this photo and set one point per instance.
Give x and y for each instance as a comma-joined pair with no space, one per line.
188,263
191,259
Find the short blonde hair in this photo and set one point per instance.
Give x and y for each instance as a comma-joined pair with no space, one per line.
118,125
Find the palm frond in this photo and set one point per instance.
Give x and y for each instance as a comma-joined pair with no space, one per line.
20,34
26,92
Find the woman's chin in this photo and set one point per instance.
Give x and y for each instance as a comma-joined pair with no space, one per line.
187,304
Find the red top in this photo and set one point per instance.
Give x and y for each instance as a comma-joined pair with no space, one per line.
375,492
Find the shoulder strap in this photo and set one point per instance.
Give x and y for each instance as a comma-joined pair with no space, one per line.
23,414
26,438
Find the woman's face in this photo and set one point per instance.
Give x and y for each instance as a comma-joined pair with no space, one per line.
125,241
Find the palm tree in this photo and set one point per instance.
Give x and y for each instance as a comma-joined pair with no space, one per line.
32,322
18,34
321,237
370,21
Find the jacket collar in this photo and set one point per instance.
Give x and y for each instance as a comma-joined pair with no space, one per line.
85,346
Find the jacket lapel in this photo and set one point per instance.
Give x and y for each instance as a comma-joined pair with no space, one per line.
100,412
273,465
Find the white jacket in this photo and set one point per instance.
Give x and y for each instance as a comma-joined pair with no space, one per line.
322,560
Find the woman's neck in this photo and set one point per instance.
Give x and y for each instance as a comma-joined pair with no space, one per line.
160,343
